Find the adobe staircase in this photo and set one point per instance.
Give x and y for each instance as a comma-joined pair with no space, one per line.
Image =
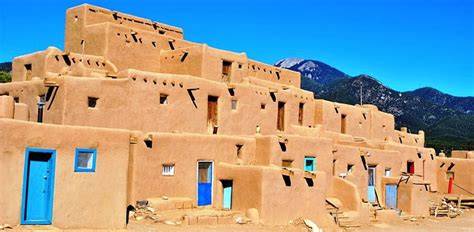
342,217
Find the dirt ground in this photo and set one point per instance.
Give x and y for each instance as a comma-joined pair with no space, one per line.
465,222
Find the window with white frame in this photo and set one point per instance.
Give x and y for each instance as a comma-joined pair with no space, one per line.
167,170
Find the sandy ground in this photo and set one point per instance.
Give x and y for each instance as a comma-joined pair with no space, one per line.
465,222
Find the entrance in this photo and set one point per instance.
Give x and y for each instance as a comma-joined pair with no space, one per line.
391,196
204,183
227,194
371,185
38,187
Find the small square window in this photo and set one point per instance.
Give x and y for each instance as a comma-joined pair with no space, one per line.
350,167
163,99
233,104
388,172
262,106
167,170
309,163
85,160
92,102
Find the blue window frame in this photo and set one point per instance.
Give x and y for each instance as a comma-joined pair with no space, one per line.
309,163
85,160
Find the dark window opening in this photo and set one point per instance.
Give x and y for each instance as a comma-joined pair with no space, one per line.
400,139
309,182
92,102
336,109
300,114
163,99
16,99
349,168
240,66
239,150
28,71
149,143
287,180
212,110
231,91
161,32
365,115
262,106
226,69
343,123
153,43
432,157
286,163
282,146
419,155
442,165
281,116
411,167
278,75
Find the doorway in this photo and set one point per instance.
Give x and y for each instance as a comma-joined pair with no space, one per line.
227,194
391,196
212,111
204,184
38,187
371,185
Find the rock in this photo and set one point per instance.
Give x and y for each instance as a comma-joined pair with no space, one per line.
170,223
164,197
310,224
150,209
6,226
1,227
240,220
139,218
253,215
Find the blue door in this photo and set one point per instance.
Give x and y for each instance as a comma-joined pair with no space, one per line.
371,185
38,187
227,194
204,183
391,196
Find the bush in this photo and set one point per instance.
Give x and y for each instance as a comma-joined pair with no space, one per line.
5,77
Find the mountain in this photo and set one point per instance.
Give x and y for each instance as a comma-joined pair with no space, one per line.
462,104
316,71
447,120
6,67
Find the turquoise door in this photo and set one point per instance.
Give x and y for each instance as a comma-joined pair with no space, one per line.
38,187
204,183
309,164
227,194
371,185
391,196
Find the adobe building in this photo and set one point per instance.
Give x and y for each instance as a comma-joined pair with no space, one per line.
130,110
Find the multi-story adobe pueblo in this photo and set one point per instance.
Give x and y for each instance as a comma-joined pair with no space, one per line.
130,111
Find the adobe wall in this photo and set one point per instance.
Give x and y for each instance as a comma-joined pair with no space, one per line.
462,154
78,197
463,181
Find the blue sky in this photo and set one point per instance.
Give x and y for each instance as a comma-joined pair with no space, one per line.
405,44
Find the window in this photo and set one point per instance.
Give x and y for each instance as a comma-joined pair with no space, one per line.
226,69
343,123
388,171
92,102
449,175
28,71
300,114
411,167
85,160
350,167
167,170
286,163
281,116
262,106
212,113
239,150
233,104
309,163
163,99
